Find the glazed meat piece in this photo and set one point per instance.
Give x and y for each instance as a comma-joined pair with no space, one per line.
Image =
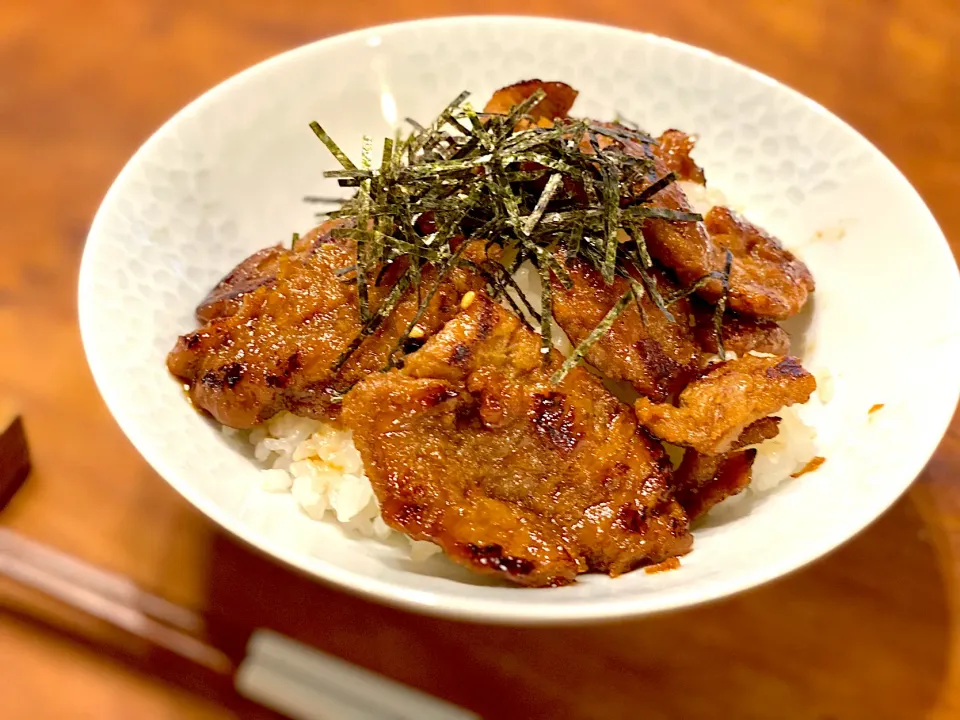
256,271
716,407
471,446
766,280
674,150
740,334
277,349
656,356
702,481
557,103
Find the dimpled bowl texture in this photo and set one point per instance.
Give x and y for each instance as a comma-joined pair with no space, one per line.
227,175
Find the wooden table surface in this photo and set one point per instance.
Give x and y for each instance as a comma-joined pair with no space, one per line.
872,631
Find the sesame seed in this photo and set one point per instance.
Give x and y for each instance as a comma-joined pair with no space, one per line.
417,332
467,300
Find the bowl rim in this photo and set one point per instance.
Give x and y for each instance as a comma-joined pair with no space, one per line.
483,609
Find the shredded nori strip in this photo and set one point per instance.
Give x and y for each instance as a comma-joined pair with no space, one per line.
546,312
345,271
652,189
611,220
509,121
425,301
545,197
334,149
687,292
498,288
651,287
386,307
572,243
599,331
318,199
506,278
503,180
722,306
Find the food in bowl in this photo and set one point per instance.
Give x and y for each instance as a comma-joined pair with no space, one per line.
497,343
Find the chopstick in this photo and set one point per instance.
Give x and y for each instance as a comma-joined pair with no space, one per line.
109,597
278,674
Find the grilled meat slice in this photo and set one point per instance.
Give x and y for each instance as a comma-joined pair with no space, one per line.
715,408
557,103
766,280
655,355
674,149
471,446
703,481
741,334
277,349
256,271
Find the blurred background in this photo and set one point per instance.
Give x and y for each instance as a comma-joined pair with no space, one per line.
869,632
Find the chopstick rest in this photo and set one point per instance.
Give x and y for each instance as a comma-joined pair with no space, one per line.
14,454
306,684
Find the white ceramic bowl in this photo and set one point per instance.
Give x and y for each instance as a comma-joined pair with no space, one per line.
226,176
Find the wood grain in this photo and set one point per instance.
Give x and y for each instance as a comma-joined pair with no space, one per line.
872,631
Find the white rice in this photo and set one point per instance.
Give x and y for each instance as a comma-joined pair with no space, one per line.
788,452
702,198
528,280
319,465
